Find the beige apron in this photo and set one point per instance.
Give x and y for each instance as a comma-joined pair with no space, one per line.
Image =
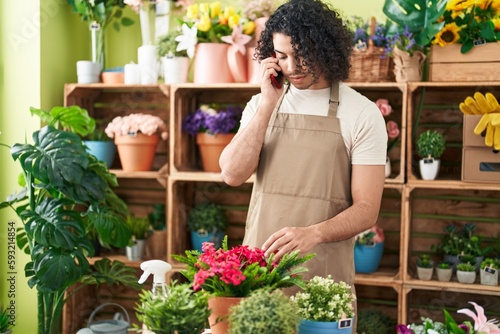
303,178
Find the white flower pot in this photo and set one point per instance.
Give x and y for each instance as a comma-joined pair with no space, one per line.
429,168
489,276
425,274
444,275
466,277
175,69
136,252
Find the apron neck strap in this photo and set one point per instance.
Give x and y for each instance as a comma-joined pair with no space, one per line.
334,100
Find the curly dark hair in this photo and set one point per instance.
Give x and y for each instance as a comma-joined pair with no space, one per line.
319,37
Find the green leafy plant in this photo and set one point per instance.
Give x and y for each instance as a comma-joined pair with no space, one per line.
157,217
4,320
182,311
430,144
489,262
425,261
264,311
323,299
102,12
139,227
466,266
167,45
66,191
207,217
421,17
462,241
373,321
238,271
444,265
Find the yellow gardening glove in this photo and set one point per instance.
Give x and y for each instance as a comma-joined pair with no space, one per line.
480,104
487,122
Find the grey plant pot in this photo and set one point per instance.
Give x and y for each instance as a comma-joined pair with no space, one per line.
488,278
136,252
444,275
425,274
466,277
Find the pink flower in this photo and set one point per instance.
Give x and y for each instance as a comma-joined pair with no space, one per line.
392,129
134,123
384,107
237,40
481,324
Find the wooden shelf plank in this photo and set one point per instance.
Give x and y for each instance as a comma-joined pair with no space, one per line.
452,286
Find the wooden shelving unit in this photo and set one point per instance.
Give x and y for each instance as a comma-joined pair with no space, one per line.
413,212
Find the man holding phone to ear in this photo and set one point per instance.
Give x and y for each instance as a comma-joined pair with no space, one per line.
317,146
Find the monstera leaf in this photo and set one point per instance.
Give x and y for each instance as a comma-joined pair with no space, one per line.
73,119
420,16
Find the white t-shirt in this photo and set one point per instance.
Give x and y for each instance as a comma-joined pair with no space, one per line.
361,122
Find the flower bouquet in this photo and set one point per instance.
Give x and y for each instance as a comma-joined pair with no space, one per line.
238,271
368,250
136,137
214,127
325,302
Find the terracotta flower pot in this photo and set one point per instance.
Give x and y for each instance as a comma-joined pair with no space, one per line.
136,152
218,319
211,147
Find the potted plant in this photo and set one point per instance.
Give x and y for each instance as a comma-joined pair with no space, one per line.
182,311
425,267
430,146
466,272
139,227
266,311
175,63
101,146
489,272
207,223
231,274
157,239
444,270
214,127
368,250
317,310
136,137
58,176
5,321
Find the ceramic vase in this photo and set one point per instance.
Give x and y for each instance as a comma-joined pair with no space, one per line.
444,275
466,277
425,274
206,56
253,67
408,68
201,236
429,168
103,150
489,276
367,257
211,147
218,319
97,34
136,252
175,69
322,327
136,152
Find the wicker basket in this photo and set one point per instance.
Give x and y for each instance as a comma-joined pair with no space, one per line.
370,65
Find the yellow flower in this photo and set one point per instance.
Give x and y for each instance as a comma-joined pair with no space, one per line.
204,8
459,5
483,4
249,28
228,11
448,35
233,21
193,11
204,24
496,22
215,9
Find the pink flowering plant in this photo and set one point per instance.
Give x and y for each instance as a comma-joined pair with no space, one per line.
238,271
371,236
391,126
135,123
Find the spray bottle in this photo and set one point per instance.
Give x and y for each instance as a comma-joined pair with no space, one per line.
158,268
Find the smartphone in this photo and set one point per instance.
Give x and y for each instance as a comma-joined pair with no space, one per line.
277,80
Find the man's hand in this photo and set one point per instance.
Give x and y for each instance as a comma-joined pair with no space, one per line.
289,239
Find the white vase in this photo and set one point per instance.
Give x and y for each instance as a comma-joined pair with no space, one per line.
136,252
444,275
429,168
425,274
88,71
175,69
489,276
388,169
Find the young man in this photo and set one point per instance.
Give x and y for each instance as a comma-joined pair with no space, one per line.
318,147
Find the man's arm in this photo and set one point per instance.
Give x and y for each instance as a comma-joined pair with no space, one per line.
367,186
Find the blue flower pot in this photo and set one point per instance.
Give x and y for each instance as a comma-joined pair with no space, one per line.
367,258
198,238
320,327
102,150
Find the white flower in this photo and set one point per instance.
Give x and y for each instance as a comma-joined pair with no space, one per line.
188,40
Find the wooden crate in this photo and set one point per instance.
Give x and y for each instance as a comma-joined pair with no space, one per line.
186,194
482,63
105,102
186,98
382,299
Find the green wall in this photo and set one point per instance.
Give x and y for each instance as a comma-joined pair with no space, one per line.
40,42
